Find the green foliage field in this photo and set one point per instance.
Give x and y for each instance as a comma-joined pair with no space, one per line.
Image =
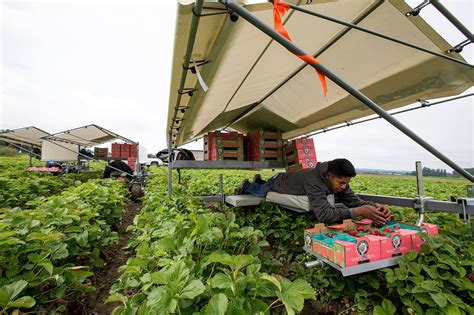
191,258
53,231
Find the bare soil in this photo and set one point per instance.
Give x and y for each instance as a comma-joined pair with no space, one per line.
116,256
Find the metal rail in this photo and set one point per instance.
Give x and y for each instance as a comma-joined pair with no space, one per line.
352,270
22,148
227,164
463,29
430,205
245,14
187,58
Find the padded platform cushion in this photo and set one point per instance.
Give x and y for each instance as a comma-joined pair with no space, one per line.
294,202
243,200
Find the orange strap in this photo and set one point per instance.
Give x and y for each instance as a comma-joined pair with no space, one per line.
279,10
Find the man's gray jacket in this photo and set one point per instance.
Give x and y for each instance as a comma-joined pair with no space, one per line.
322,200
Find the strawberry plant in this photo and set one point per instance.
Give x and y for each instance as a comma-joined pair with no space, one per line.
189,258
52,246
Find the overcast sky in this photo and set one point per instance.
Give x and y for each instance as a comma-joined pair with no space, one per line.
67,64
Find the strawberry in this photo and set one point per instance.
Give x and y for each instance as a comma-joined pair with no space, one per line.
352,233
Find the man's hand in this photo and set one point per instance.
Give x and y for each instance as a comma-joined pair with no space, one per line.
372,213
384,210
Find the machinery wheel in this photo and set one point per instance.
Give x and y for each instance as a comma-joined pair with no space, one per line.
137,191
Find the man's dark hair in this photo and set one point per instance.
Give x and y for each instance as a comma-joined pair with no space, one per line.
341,168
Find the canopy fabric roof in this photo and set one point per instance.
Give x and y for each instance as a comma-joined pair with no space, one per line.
30,136
86,136
255,82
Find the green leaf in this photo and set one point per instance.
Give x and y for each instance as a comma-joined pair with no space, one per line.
222,258
117,297
159,277
24,301
430,285
410,256
440,299
387,308
217,305
452,310
35,258
10,291
241,261
294,293
61,253
193,289
48,266
272,279
83,239
221,281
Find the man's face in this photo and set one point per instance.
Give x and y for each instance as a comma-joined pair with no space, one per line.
338,184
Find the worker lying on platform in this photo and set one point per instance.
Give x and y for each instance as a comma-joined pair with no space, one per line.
325,185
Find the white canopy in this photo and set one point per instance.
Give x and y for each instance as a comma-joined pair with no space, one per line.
255,82
30,136
86,136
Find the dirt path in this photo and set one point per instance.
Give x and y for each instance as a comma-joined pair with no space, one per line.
107,275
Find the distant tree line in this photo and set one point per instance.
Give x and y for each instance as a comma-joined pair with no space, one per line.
441,172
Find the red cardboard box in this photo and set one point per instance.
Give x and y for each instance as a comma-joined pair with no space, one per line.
299,154
132,150
262,145
223,146
425,228
397,244
116,150
366,249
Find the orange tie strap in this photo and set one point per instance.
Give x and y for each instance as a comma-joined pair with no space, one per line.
279,10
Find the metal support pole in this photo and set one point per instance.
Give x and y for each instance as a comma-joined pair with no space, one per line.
187,57
369,31
31,156
463,29
421,193
170,166
186,60
21,148
245,14
470,201
78,159
221,190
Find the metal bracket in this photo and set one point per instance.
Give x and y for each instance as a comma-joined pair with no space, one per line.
189,91
459,47
416,10
198,64
211,14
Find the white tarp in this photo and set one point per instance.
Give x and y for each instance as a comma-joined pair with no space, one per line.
28,136
59,151
246,67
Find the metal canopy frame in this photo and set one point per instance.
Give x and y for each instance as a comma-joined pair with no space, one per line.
234,7
87,142
7,136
